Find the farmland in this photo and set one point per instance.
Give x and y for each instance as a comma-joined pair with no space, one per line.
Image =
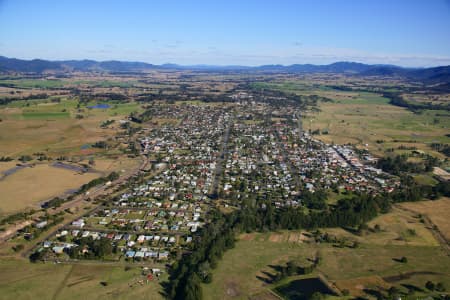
244,270
20,280
30,186
379,125
283,155
49,130
367,120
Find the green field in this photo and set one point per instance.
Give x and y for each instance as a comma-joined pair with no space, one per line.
21,280
45,115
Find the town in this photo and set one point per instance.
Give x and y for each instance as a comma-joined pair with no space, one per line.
214,157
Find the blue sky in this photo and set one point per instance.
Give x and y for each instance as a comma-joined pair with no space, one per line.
245,32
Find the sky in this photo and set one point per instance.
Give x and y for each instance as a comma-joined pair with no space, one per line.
411,33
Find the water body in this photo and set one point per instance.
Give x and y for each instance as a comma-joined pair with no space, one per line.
100,106
302,289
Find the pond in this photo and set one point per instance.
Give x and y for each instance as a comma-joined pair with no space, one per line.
304,288
100,105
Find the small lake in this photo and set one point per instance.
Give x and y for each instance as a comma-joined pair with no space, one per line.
100,106
302,289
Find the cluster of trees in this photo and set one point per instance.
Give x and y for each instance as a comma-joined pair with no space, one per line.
7,100
410,190
55,202
16,217
32,232
100,144
5,158
194,268
96,248
443,148
399,164
25,158
316,200
111,96
294,268
435,286
111,177
106,123
397,99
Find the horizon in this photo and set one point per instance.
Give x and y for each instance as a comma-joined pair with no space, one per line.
404,33
217,65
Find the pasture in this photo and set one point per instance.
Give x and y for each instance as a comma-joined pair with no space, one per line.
29,186
366,118
56,128
368,121
21,280
244,270
437,211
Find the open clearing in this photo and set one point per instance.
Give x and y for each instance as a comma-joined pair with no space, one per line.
29,186
22,280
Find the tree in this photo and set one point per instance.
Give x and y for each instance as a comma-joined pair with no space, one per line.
440,287
292,268
204,270
430,285
393,292
193,289
317,296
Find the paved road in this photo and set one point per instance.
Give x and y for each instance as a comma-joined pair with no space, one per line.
292,168
222,156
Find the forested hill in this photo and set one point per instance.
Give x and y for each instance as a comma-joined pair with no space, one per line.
426,75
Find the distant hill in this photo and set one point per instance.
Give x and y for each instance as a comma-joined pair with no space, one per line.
436,75
35,65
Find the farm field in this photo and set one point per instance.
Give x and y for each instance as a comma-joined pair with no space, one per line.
242,271
21,280
369,119
54,128
29,186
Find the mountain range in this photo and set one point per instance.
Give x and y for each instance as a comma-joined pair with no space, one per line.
427,75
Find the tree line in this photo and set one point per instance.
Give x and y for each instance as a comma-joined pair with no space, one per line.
398,100
399,164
